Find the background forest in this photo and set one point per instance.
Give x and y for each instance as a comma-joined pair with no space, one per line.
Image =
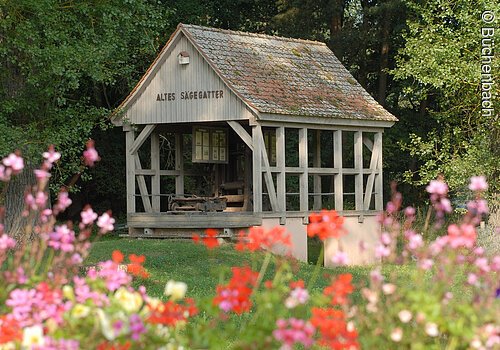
65,65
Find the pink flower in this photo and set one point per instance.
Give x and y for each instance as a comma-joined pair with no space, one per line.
463,236
293,331
478,183
51,155
84,293
340,258
6,242
482,264
90,155
76,259
114,277
62,239
63,201
297,296
382,251
105,222
415,241
376,276
425,264
472,279
88,216
437,187
41,174
15,162
385,238
495,263
410,211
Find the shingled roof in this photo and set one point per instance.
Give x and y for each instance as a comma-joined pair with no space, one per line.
279,75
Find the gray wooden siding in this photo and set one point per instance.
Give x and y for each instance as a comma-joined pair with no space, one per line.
171,77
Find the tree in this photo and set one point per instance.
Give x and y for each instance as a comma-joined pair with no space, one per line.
64,66
441,67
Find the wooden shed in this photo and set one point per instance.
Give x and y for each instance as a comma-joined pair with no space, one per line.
229,130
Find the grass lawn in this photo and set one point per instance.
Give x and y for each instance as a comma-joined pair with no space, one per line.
182,260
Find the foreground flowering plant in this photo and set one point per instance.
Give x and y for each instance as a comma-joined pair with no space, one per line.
49,301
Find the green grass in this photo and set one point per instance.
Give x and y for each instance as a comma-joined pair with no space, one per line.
182,260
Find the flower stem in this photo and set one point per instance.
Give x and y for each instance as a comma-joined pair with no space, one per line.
315,274
262,272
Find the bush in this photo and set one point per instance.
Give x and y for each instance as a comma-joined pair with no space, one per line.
50,302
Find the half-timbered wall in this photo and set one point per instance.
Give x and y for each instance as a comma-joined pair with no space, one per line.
185,93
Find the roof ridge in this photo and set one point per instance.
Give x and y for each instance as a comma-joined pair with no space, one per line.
258,35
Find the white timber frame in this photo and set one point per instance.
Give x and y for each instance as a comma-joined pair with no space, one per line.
367,181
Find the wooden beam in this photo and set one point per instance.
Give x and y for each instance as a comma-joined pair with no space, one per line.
130,171
337,163
358,165
257,171
371,177
148,129
280,166
317,164
179,164
271,190
379,199
155,166
242,133
143,189
368,143
304,177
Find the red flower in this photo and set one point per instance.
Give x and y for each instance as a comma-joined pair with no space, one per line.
339,289
259,238
325,224
235,296
117,256
169,313
209,240
9,330
110,346
297,284
335,332
137,259
135,267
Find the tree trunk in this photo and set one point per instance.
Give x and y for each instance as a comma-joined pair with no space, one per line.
16,225
384,58
336,22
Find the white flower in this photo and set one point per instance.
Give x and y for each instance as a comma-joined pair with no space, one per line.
397,334
405,316
130,301
388,288
105,323
431,329
32,336
80,311
175,290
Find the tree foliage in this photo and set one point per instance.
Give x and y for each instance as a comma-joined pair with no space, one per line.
440,65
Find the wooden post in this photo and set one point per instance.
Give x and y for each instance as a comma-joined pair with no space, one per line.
280,164
179,165
143,189
155,166
379,199
371,177
337,163
257,171
130,174
271,190
304,176
358,165
317,178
